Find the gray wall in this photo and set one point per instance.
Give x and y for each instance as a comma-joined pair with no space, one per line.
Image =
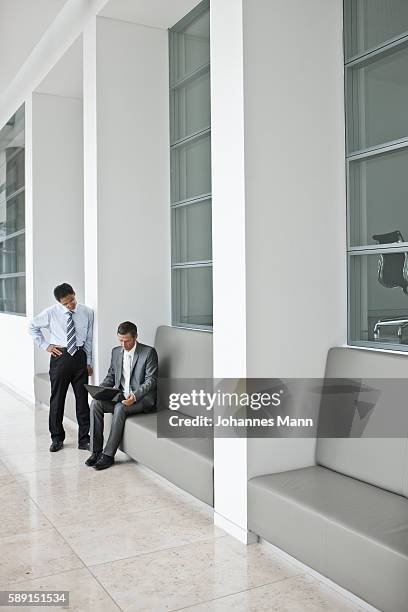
133,208
58,219
295,198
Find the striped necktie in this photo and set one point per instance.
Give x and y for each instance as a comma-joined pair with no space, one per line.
71,335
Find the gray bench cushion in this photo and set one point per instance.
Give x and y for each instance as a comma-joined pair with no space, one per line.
188,463
352,532
379,461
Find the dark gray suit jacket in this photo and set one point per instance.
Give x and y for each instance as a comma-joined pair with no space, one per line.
143,377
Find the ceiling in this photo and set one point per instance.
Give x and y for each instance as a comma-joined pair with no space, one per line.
66,77
22,24
155,13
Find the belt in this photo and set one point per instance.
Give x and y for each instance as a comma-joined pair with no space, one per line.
64,349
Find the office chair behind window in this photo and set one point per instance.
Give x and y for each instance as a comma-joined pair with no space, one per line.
392,272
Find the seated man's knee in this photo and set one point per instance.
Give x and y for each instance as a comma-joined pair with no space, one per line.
96,406
119,410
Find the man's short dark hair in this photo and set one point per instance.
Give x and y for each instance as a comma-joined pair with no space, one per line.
62,291
127,327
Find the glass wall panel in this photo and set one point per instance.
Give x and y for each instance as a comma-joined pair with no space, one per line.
12,295
379,305
12,255
192,296
192,232
191,169
378,197
190,164
12,215
377,100
15,170
370,23
377,182
191,107
190,46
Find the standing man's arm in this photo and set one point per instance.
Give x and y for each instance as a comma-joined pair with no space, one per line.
88,342
35,327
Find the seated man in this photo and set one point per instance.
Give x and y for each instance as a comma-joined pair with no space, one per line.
133,369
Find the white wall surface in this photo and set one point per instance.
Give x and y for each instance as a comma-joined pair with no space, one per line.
16,355
295,185
295,198
131,215
58,201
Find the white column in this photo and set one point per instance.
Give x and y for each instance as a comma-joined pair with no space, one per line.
127,174
91,181
229,282
58,228
295,200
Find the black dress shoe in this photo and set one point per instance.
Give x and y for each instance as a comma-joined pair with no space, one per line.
93,459
56,446
104,462
84,446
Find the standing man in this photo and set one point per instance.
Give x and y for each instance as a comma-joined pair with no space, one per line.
71,327
134,371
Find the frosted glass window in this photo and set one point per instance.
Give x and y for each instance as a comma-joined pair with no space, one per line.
379,306
190,45
12,215
191,107
377,100
190,166
370,23
378,194
376,80
191,169
12,255
192,296
12,295
192,232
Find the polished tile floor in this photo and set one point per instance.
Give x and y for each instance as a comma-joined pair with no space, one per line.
122,539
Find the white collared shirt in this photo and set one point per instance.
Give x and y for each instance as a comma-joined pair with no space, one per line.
127,363
55,319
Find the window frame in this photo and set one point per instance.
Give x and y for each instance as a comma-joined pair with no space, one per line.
174,84
381,50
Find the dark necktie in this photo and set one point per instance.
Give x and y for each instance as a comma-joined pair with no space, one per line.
71,335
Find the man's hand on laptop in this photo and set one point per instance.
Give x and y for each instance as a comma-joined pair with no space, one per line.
129,400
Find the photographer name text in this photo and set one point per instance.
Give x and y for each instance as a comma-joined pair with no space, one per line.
179,420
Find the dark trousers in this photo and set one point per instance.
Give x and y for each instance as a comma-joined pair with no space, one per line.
66,370
120,414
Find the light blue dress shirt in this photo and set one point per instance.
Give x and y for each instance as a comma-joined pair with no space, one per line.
55,319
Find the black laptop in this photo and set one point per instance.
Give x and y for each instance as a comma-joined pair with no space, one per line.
106,394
